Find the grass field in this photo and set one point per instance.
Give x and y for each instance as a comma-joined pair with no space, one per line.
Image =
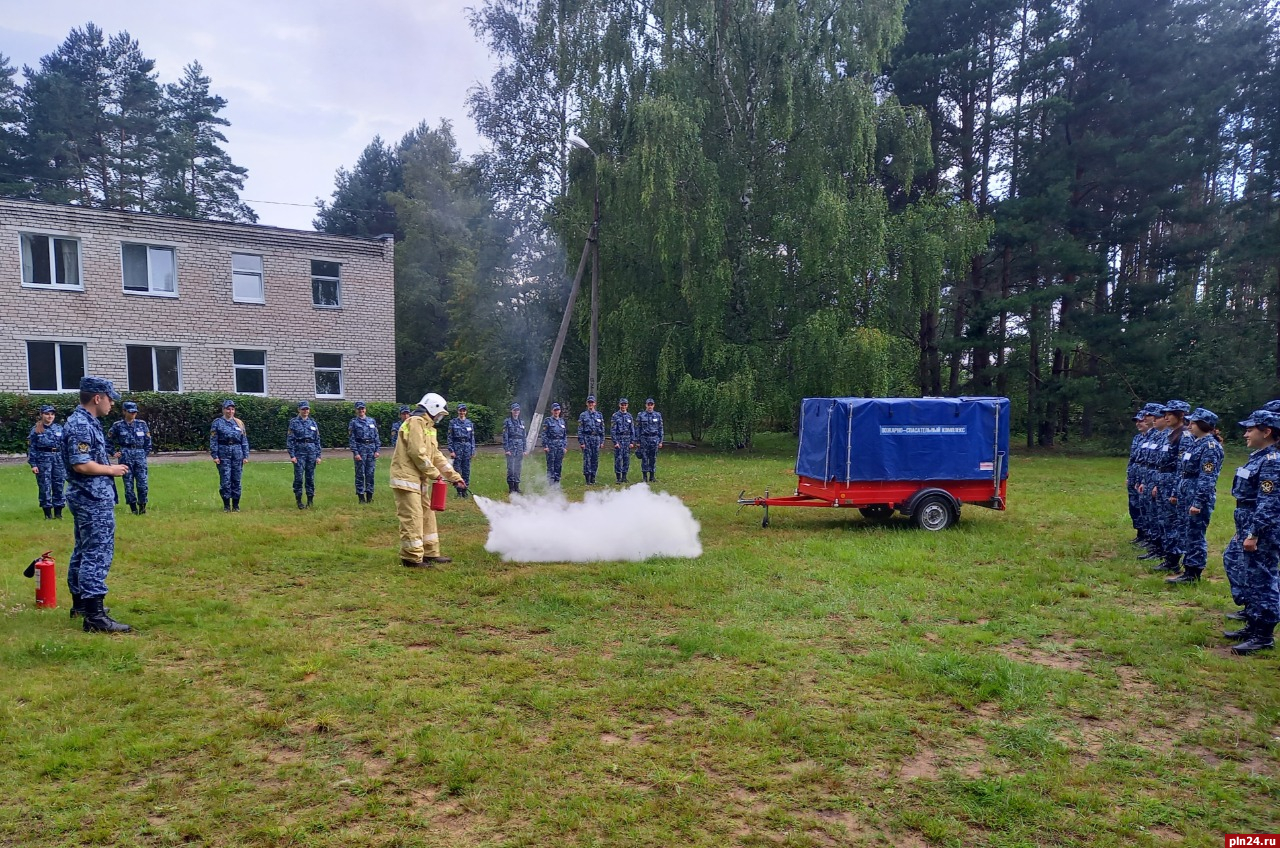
1019,680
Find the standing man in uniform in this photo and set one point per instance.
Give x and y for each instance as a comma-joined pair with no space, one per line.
303,443
513,446
462,445
44,455
622,429
362,438
92,500
590,438
416,463
649,435
555,440
1131,475
229,446
129,440
395,431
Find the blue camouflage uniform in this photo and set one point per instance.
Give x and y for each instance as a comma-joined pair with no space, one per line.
649,436
363,440
555,441
622,429
1131,476
513,440
133,442
303,443
92,499
590,438
395,431
461,441
1173,518
1254,576
1198,469
229,445
44,453
1144,474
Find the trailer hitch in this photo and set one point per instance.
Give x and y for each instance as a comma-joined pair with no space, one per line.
764,502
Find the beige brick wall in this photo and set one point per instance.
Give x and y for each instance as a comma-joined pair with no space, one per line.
203,320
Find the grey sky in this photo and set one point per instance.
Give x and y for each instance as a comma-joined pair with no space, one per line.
308,84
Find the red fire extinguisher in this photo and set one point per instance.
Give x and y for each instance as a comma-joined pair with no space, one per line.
46,576
439,491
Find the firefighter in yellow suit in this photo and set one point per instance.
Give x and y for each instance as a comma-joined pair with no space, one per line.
416,463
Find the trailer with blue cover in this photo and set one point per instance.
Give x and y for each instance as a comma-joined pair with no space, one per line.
921,457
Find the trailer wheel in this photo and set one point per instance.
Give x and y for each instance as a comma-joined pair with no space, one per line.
933,513
876,512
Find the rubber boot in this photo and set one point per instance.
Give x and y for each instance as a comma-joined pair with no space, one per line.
310,500
57,512
1191,575
142,507
235,504
1244,634
1263,638
48,513
299,499
96,619
133,507
226,504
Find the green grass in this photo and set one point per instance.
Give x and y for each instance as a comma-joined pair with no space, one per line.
1017,681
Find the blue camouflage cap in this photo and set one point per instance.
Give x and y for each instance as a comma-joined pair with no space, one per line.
1139,415
515,406
462,407
405,410
47,408
129,406
1204,416
1152,409
302,404
591,398
621,401
360,404
555,406
99,386
228,404
1261,418
1272,406
1177,406
648,400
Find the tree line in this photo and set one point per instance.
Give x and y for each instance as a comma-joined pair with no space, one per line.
93,125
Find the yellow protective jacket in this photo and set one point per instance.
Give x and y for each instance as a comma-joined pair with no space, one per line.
417,460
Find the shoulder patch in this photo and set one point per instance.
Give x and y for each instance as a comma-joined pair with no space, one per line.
1268,486
1208,466
82,447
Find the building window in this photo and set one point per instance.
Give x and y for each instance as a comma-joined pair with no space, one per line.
149,270
328,375
50,261
246,278
326,286
153,369
251,372
54,366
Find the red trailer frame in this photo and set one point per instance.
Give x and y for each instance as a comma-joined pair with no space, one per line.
933,505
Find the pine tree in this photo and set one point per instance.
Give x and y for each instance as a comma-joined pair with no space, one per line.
13,174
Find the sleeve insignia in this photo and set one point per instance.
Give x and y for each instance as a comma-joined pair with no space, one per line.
1208,467
82,448
1268,487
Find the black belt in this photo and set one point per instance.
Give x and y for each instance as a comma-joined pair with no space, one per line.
224,442
364,441
47,450
1246,502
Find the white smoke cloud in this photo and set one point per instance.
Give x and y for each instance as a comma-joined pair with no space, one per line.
629,524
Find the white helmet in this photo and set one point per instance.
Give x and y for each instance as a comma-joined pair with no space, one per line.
433,404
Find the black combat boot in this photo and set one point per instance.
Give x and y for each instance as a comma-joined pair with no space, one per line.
48,513
1263,638
298,498
57,512
624,479
78,606
1191,575
142,507
96,619
133,507
235,504
310,500
226,504
1243,634
368,497
1170,563
1235,616
619,476
1152,554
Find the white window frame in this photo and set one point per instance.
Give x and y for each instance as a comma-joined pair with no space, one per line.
155,367
53,238
57,365
235,368
261,273
150,290
316,369
337,281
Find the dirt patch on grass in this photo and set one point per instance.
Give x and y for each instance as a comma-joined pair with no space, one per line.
967,757
1049,655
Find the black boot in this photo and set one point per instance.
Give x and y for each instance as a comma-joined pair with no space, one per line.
624,478
226,504
368,497
78,606
310,500
1191,575
298,498
1170,563
57,512
360,496
235,504
1151,555
1263,638
142,507
96,619
48,513
1235,616
1243,634
133,507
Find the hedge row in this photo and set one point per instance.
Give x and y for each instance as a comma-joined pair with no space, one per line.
180,422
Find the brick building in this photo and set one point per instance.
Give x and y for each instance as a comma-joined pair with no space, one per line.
158,303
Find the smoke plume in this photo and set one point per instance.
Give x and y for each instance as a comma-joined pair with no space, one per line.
629,524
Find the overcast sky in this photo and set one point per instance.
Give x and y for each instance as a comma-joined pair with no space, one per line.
308,84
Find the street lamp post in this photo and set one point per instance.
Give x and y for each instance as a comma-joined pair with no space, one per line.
594,240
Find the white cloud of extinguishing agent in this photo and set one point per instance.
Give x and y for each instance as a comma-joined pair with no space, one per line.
629,524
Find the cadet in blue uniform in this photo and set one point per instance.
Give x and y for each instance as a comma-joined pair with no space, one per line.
129,440
1131,475
513,438
1251,557
44,455
590,438
229,447
303,443
362,438
1198,469
622,429
555,441
1173,520
92,500
649,437
1144,474
395,431
462,445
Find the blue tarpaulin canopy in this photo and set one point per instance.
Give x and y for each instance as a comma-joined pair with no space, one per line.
884,439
